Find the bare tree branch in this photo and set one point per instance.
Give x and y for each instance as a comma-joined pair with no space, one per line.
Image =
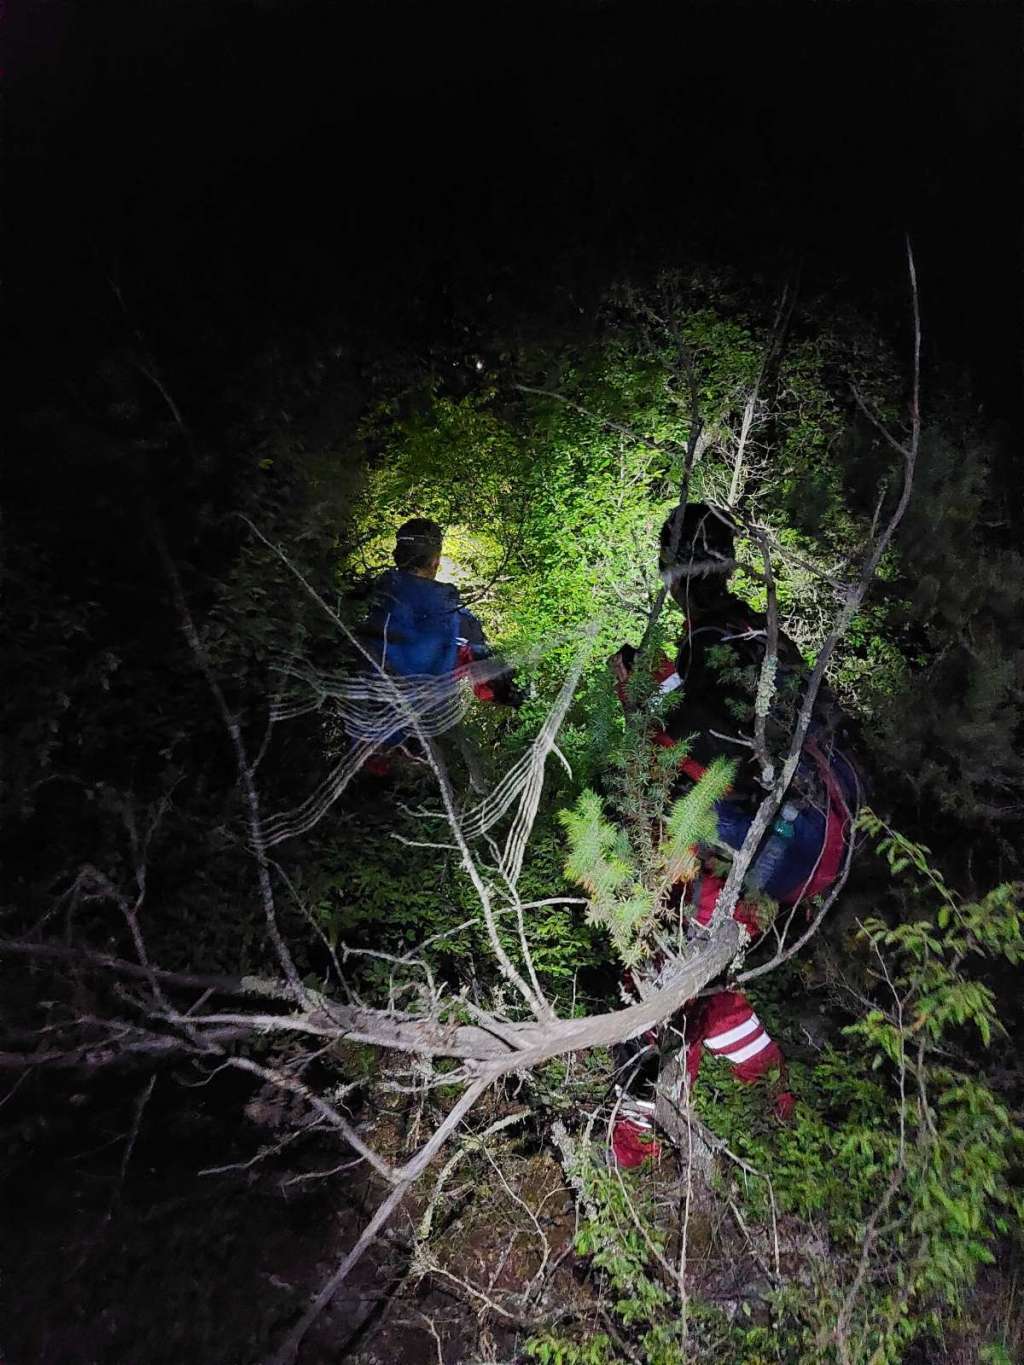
855,596
405,1177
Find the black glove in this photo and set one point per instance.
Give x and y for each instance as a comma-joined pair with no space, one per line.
507,691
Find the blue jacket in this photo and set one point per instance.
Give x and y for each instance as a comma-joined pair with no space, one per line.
416,625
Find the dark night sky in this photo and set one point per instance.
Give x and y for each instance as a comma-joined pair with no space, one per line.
248,167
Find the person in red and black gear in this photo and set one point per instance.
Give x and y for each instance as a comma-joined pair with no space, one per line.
715,673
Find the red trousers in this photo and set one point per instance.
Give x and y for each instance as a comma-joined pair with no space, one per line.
726,1026
725,1023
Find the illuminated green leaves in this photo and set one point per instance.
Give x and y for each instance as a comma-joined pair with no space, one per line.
624,897
692,822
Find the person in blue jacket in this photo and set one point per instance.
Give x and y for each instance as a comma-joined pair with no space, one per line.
418,627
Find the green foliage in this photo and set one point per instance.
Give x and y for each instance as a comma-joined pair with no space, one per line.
951,733
552,515
551,1350
368,889
691,821
600,861
929,1193
622,1242
601,858
902,1165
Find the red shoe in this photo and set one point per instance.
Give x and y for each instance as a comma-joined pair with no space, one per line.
784,1106
633,1139
632,1145
378,765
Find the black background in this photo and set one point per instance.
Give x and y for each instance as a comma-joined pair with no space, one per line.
243,169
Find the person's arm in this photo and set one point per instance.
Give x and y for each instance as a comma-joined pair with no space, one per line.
622,663
496,683
471,635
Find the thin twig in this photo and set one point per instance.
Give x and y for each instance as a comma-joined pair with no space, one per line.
288,1349
245,772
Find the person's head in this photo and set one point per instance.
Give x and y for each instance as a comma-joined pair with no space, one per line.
418,547
696,555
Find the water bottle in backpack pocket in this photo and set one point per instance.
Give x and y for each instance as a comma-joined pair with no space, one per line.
776,851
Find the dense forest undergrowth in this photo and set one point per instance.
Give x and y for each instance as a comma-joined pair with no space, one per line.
247,984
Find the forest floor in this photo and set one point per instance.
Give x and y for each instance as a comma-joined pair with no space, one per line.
152,1261
118,1249
123,1252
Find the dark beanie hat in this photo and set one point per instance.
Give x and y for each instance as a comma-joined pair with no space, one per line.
417,542
704,544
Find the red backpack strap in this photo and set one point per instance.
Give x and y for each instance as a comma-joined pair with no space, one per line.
837,831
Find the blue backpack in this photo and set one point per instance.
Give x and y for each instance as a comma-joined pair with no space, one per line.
413,625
